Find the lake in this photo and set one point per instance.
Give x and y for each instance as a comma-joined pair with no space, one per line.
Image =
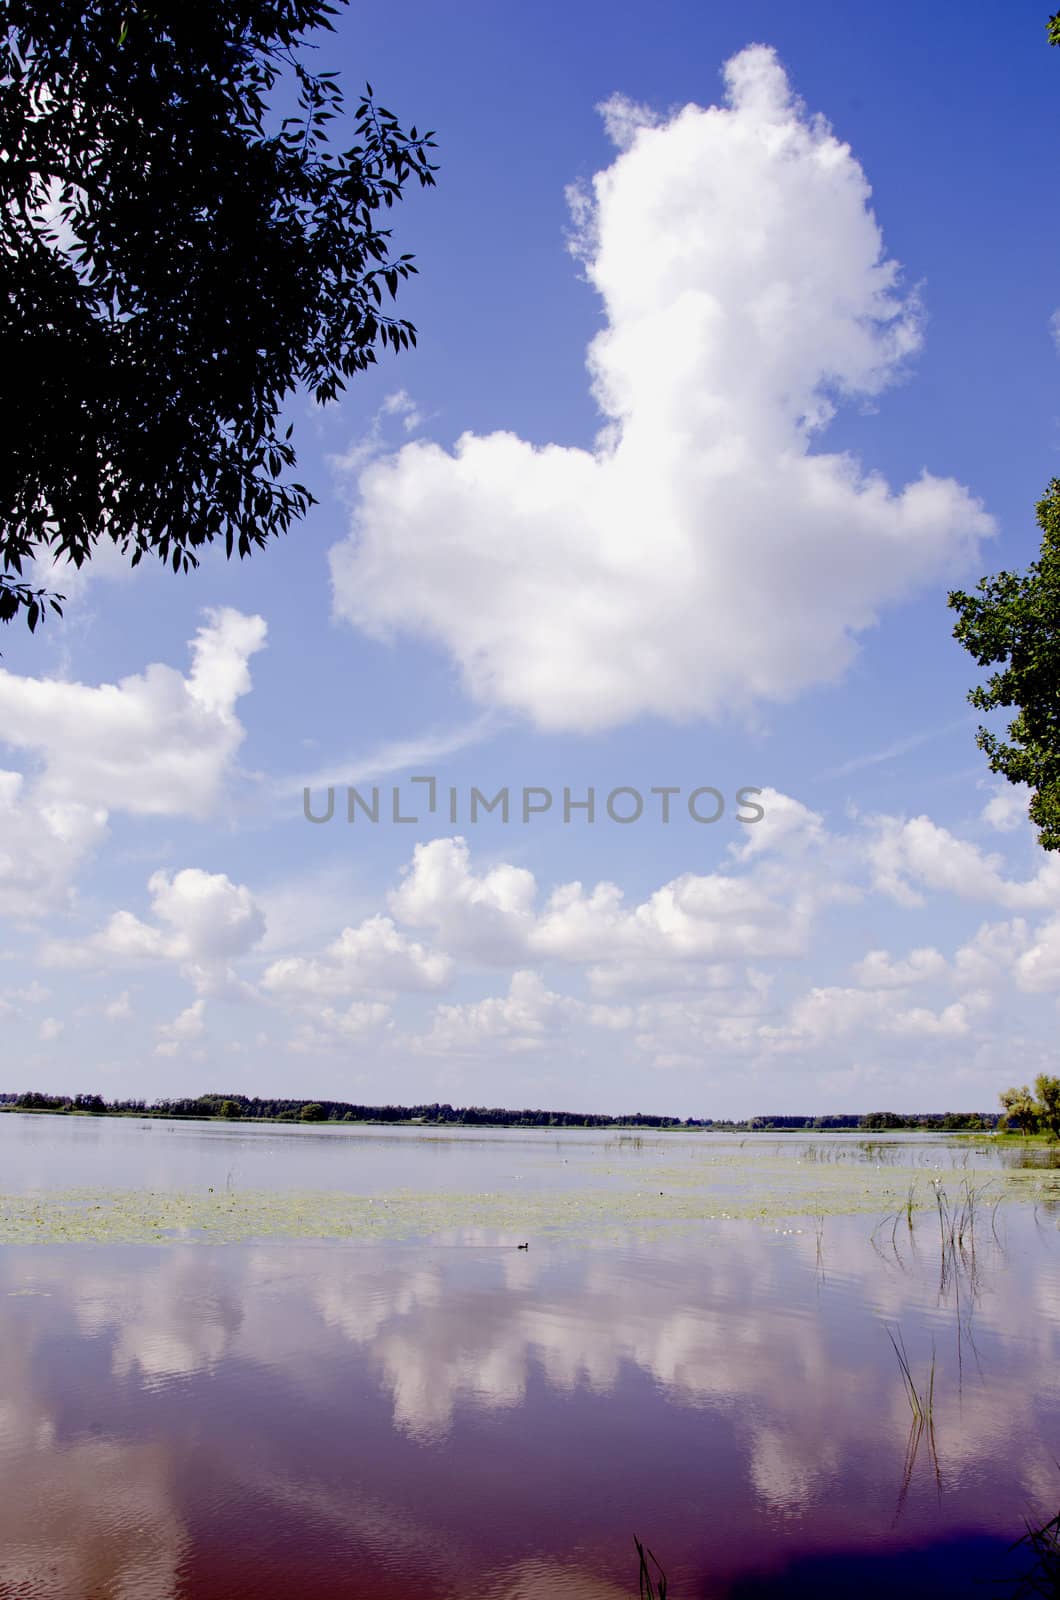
268,1362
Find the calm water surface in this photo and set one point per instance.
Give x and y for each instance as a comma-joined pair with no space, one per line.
450,1416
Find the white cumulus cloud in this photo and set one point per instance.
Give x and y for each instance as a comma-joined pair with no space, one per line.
373,956
1006,809
911,855
518,1021
202,923
156,743
42,843
879,970
494,916
185,1029
702,556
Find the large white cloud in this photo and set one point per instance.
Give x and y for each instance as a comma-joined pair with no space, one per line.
700,557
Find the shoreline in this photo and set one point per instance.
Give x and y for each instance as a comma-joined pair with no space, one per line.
994,1135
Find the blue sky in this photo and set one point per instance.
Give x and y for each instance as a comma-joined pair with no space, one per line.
646,507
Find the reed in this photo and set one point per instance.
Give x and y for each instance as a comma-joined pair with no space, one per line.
910,1205
1043,1575
921,1402
922,1406
652,1587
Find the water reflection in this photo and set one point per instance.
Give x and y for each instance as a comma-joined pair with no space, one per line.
83,1512
461,1418
40,1153
1044,1156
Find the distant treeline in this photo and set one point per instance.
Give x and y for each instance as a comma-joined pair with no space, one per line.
877,1121
241,1107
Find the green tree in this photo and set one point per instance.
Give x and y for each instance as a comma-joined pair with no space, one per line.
1013,621
230,1108
1020,1110
177,261
312,1112
1047,1095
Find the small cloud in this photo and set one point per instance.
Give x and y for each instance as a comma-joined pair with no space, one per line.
401,404
1006,809
34,994
372,443
624,118
1054,328
50,1029
118,1009
188,1026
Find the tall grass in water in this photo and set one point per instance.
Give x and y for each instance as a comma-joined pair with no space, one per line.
961,1221
921,1402
910,1206
1041,1579
905,1210
1043,1576
651,1587
922,1406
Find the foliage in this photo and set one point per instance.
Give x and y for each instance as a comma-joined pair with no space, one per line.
1013,621
874,1122
437,1114
34,1101
1047,1091
1033,1112
37,1100
177,261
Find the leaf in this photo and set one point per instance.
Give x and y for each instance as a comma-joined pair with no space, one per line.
153,397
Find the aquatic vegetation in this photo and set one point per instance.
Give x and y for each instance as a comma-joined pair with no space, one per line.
921,1402
922,1406
657,1188
910,1205
1042,1577
652,1587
